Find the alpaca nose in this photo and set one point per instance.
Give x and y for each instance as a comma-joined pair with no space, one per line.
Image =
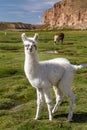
31,49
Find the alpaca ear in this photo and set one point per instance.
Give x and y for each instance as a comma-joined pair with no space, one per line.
23,37
36,37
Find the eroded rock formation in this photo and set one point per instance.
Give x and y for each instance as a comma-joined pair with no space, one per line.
15,25
67,14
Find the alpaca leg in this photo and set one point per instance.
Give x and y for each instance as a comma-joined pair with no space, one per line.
39,102
59,97
65,86
71,97
50,110
71,103
48,99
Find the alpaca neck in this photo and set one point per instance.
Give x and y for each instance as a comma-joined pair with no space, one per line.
31,62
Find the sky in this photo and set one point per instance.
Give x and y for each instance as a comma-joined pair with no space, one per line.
26,11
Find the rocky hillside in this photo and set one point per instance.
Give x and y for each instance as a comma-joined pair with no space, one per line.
67,14
15,25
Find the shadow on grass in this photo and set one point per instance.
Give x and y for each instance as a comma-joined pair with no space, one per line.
80,117
77,117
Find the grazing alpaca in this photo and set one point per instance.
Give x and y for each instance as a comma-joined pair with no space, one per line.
43,75
58,37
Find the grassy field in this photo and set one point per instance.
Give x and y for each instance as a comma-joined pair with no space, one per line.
18,98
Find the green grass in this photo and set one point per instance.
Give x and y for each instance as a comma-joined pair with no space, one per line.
18,98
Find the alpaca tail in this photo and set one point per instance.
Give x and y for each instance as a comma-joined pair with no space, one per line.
76,67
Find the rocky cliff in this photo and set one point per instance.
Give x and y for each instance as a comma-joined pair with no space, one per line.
67,14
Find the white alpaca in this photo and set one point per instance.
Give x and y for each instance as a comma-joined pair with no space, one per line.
43,75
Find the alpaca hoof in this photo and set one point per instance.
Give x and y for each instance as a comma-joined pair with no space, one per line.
69,120
50,119
36,118
69,117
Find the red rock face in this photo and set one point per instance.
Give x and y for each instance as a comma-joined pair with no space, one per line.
67,13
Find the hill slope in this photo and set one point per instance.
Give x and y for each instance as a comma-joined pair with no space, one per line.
15,25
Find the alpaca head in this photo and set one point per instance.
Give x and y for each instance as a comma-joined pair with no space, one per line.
29,43
55,39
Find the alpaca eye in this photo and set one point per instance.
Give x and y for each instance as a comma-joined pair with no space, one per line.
33,42
35,46
27,45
